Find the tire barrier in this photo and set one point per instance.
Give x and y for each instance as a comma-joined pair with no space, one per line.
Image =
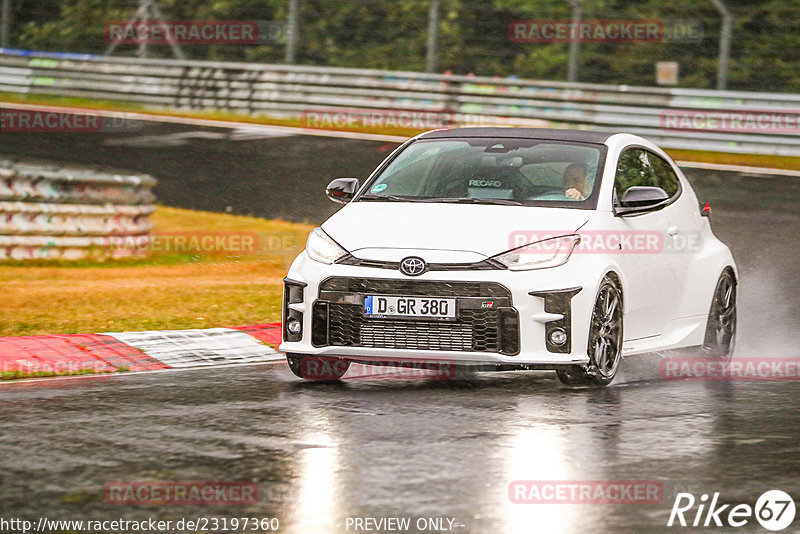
35,218
331,98
93,354
53,212
37,182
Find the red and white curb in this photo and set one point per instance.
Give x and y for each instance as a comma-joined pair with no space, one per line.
61,355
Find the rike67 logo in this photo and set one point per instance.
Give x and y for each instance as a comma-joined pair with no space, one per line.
774,510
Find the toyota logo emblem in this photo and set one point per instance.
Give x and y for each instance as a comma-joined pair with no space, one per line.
413,266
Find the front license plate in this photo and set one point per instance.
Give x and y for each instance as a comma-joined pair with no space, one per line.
379,306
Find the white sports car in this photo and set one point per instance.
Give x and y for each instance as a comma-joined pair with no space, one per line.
505,248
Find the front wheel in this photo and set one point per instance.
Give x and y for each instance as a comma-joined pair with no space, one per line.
321,368
605,341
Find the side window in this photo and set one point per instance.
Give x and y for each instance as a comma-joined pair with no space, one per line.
639,167
667,179
633,169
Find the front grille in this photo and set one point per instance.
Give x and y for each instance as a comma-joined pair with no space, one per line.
339,321
476,330
415,287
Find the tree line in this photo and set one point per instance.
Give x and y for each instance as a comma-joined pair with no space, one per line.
473,37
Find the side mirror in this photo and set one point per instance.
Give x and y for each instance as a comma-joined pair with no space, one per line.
638,199
342,190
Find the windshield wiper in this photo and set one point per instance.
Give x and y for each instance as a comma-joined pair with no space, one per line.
387,198
471,200
453,200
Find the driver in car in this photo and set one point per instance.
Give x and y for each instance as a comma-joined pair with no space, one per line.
575,181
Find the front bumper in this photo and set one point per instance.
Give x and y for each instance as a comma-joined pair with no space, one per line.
526,306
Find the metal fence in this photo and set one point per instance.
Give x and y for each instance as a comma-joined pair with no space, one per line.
52,212
743,122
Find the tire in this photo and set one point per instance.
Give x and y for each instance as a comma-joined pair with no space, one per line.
319,368
720,338
605,341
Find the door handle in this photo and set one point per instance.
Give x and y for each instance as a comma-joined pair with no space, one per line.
672,231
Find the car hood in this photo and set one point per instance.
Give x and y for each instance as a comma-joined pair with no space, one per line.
374,230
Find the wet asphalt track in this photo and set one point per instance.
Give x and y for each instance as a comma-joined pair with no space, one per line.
322,453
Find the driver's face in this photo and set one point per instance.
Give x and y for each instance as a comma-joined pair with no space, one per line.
575,178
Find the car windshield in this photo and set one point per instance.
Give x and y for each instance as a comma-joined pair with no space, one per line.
492,171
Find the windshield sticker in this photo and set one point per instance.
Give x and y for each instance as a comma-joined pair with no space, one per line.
485,183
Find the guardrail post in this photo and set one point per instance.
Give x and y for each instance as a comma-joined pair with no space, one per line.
293,32
433,36
574,43
724,43
5,23
143,8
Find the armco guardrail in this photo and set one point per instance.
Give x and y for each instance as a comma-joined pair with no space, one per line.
54,212
762,123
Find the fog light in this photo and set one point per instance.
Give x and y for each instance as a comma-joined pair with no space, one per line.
558,337
294,326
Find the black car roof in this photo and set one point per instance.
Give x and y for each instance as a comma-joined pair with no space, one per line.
582,136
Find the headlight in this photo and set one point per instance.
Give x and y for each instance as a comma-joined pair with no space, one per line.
542,254
322,248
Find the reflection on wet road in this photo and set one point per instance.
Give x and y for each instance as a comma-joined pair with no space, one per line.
321,453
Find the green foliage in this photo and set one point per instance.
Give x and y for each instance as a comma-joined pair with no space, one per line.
474,36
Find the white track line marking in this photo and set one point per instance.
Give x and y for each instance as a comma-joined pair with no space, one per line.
288,130
198,347
738,168
211,123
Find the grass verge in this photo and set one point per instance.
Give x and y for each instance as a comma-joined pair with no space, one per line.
170,289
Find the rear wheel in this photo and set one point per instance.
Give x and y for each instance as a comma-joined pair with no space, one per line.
605,341
721,327
321,368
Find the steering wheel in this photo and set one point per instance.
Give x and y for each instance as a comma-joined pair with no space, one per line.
454,188
554,191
